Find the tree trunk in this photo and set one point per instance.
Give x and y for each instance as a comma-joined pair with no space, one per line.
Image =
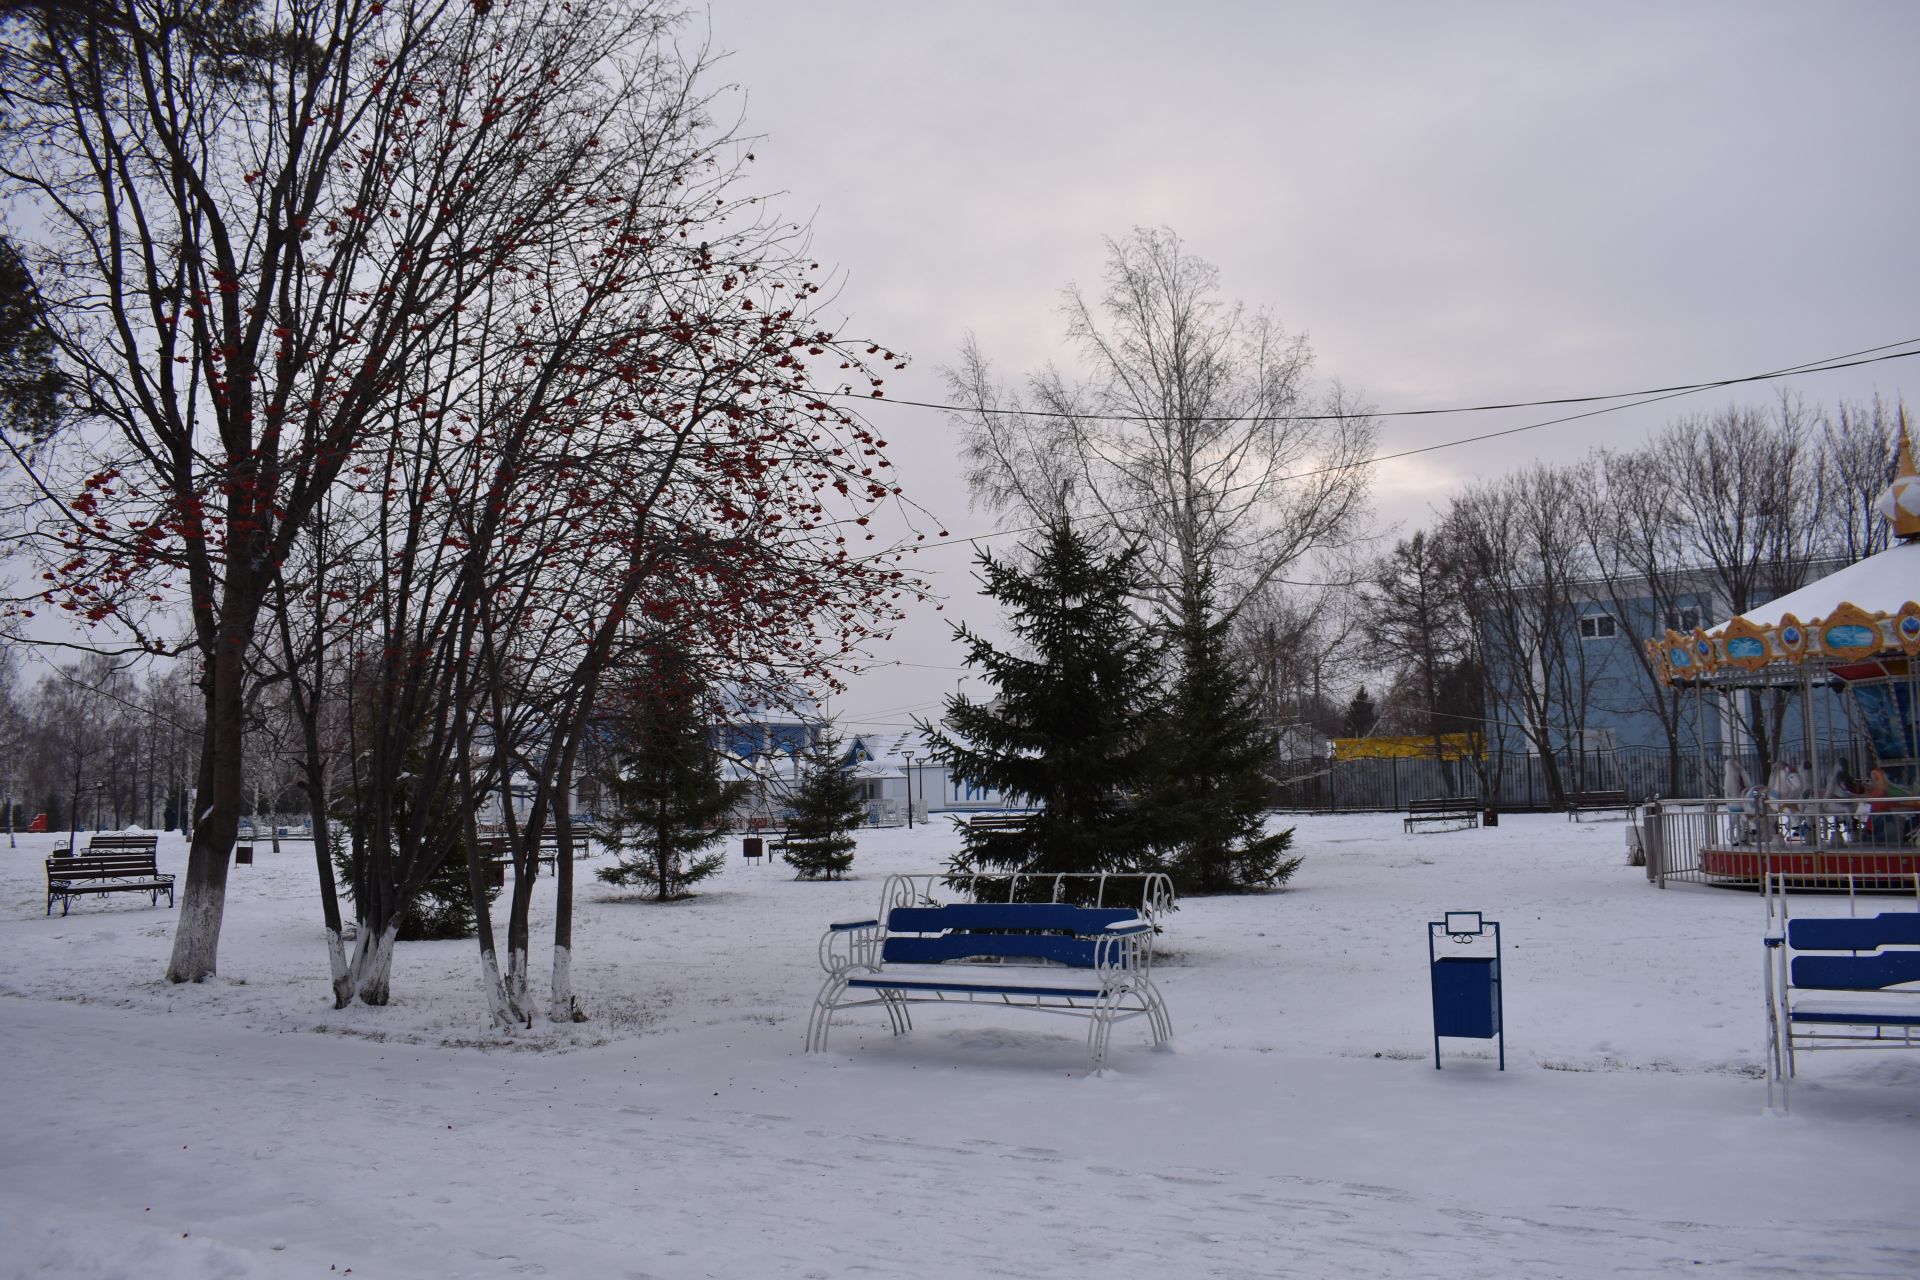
203,900
373,963
561,1005
500,1010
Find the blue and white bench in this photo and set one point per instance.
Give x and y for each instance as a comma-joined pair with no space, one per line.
1841,983
1089,962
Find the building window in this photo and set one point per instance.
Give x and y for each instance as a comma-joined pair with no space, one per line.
1683,621
1597,626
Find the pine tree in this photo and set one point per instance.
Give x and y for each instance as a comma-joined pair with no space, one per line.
827,810
1210,795
443,908
1068,730
664,799
1362,715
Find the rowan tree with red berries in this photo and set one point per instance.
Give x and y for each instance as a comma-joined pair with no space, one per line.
439,319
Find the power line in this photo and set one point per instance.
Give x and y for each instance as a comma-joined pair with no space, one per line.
1851,360
1652,397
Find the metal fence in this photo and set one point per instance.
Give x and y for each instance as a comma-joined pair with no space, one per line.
1812,844
1509,781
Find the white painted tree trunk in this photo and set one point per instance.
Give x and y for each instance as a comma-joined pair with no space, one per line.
337,962
561,1006
499,1008
373,966
516,987
196,935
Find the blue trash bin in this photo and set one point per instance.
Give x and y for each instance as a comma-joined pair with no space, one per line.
1466,988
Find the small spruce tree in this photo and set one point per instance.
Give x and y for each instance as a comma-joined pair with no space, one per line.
663,795
1068,729
1210,797
827,810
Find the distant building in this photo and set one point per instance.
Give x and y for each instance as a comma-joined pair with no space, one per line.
894,765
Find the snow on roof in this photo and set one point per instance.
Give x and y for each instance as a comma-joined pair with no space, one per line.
1880,584
887,751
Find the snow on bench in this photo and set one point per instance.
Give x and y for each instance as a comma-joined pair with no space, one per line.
1089,962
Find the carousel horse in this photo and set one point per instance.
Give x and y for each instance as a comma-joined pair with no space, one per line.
1744,801
1788,786
1843,815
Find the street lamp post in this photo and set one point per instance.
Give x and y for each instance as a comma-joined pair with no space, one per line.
909,756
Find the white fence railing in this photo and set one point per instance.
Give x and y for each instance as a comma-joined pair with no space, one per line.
1814,842
1148,892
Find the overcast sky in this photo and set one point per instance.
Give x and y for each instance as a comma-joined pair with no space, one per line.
1460,203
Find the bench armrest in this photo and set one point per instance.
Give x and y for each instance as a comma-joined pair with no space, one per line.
1125,946
850,944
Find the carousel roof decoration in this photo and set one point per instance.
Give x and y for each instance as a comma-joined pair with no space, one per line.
1866,609
1900,504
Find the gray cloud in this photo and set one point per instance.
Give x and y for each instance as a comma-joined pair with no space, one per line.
1461,203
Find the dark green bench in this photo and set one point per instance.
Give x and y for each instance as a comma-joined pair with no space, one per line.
116,864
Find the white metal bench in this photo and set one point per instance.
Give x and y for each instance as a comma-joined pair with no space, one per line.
1090,962
1848,982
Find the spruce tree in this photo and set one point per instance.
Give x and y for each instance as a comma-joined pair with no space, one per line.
663,796
1210,795
827,810
1068,728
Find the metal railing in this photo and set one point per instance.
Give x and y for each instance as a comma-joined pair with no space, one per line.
1809,843
1512,781
1148,892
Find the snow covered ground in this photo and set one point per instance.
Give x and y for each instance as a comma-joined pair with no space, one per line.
1296,1127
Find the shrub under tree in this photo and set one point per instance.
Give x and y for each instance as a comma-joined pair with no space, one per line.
1069,727
827,809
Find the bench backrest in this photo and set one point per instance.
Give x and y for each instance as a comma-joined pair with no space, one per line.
1866,967
1000,821
1445,804
101,866
1596,797
1003,930
113,844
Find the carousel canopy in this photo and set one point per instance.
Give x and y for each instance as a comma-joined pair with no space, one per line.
1880,584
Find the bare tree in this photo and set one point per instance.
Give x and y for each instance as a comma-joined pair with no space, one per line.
1194,430
1637,542
13,737
1417,618
1748,488
1856,450
1522,561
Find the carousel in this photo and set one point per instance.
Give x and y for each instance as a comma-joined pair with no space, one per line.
1832,668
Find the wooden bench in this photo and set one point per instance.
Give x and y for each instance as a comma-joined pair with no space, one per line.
494,853
1090,962
1829,986
123,844
998,821
1460,809
127,865
1581,802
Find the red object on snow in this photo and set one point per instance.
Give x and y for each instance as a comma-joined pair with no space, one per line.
39,823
